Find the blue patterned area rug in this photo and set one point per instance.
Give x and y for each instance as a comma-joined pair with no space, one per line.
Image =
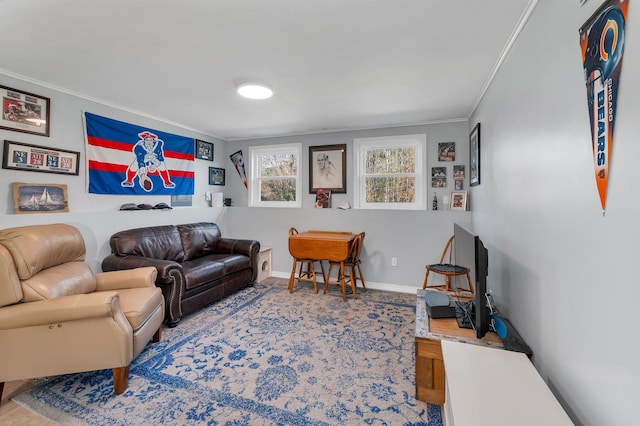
262,357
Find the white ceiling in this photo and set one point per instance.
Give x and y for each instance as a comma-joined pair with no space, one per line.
334,64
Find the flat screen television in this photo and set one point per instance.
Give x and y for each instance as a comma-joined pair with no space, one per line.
470,252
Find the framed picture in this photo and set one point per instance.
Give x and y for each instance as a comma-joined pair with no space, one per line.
458,200
328,168
35,158
438,177
458,184
474,156
458,172
204,150
323,199
39,198
447,151
216,176
24,112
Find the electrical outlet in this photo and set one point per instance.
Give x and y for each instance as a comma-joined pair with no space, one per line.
394,261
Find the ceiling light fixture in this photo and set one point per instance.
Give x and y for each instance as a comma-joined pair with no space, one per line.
255,91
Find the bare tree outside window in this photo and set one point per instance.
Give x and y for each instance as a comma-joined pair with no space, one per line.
390,175
275,176
276,183
390,172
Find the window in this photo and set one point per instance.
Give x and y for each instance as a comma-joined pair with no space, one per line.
275,176
389,172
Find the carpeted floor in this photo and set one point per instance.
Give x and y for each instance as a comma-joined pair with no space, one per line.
262,357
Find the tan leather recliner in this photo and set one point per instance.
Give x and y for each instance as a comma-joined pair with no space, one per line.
57,316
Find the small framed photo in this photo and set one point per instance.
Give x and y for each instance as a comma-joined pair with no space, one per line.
328,168
458,172
323,199
458,184
438,177
204,150
39,198
474,156
24,112
216,176
458,200
447,151
36,158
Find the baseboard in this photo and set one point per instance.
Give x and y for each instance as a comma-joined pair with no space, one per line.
370,284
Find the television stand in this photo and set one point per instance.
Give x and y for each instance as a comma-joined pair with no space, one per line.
481,374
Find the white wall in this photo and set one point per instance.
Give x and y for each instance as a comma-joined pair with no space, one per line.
98,216
561,271
415,238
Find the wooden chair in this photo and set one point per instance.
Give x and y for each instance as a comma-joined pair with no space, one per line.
351,266
307,269
447,269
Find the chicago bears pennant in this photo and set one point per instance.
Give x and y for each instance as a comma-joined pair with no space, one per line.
602,40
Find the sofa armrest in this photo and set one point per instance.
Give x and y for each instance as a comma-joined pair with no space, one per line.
63,309
249,248
164,267
133,278
232,246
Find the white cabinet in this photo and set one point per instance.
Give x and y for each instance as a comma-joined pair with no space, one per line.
488,386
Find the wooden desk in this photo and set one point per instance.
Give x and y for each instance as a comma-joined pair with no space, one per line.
322,245
430,373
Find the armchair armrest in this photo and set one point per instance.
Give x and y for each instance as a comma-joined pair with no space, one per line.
115,280
63,309
170,278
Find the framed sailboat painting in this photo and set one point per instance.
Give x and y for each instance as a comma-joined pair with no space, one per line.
39,198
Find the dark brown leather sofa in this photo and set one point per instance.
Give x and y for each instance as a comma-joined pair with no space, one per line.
196,266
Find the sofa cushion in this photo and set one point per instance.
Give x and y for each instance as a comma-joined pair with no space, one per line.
156,242
199,239
232,262
201,271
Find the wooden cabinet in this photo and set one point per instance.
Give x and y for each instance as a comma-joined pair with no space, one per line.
430,380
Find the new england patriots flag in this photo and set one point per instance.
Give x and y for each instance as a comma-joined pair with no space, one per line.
126,159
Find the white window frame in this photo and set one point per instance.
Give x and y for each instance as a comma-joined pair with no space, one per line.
360,147
254,176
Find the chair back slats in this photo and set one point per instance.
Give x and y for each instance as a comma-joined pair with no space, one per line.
356,248
448,248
